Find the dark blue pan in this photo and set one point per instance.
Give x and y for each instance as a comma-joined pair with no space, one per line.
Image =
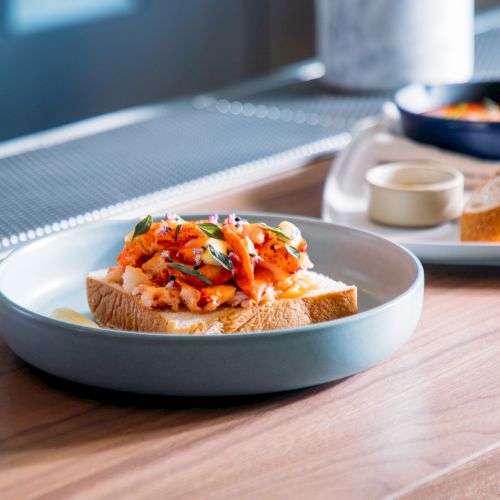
480,139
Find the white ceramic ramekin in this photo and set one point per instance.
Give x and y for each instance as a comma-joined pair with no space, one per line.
414,193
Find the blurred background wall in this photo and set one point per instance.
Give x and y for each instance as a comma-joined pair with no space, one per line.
135,52
63,60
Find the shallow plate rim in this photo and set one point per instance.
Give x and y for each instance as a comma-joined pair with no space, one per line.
131,335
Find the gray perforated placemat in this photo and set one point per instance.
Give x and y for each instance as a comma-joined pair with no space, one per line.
188,139
69,180
306,103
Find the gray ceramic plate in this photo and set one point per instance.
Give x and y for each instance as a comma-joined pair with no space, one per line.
50,273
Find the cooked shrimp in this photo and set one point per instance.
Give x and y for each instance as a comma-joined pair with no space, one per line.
154,265
177,233
137,250
246,265
133,277
161,236
215,296
254,232
275,252
156,297
243,267
190,297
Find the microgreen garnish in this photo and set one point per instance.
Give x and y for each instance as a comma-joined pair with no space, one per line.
177,231
221,258
143,226
275,230
171,282
164,229
211,230
191,272
174,218
292,251
251,247
166,255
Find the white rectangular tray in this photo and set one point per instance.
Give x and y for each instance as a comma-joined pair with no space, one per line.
345,201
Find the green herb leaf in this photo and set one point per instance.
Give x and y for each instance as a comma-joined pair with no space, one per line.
221,258
191,272
177,231
166,255
276,230
293,251
211,230
143,226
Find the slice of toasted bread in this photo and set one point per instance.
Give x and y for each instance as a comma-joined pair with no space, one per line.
113,307
480,220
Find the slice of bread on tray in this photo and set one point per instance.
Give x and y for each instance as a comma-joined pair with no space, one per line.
113,307
480,220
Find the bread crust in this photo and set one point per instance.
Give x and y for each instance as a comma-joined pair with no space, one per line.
114,308
477,222
480,226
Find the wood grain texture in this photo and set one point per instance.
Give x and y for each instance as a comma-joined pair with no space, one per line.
296,192
408,426
478,479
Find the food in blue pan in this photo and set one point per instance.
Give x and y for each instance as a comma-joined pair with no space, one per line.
461,117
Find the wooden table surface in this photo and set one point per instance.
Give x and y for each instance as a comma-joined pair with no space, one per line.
423,424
